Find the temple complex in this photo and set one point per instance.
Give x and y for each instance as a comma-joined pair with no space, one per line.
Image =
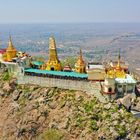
10,51
80,65
111,80
53,62
117,82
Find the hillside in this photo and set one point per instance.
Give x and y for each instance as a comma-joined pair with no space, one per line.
30,112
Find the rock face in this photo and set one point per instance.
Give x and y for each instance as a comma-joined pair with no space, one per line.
32,112
16,95
127,101
7,87
136,104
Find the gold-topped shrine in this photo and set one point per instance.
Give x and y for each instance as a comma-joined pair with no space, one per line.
53,62
10,51
80,65
116,72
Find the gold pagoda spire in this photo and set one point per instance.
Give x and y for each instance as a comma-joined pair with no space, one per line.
53,62
80,60
10,44
119,71
119,60
52,43
81,56
10,51
52,50
80,65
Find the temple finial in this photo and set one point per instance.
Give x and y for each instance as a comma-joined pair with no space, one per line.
10,37
10,41
52,42
119,58
81,54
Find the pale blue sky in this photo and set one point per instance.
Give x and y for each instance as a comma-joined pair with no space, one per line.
59,11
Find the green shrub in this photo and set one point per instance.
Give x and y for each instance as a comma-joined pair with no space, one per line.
6,76
90,105
80,121
51,134
121,130
94,125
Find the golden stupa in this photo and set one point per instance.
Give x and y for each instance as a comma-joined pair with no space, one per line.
111,73
116,72
80,65
10,51
53,62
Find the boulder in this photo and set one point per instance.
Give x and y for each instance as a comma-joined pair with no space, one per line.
2,93
64,124
127,101
108,106
53,125
52,105
136,105
7,87
16,95
13,82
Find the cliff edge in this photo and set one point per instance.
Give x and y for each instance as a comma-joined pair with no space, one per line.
29,112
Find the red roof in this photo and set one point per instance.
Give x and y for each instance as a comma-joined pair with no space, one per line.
67,68
2,51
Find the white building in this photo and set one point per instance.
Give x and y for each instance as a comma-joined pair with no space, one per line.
118,87
125,86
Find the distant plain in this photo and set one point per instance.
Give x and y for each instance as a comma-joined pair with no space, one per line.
98,41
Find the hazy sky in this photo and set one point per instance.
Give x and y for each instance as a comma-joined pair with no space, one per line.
52,11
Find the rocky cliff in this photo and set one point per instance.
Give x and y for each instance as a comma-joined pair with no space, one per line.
29,112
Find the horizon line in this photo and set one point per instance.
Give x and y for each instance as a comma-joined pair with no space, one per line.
71,22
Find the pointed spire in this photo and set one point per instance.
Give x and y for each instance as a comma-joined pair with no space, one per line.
81,56
80,65
80,60
10,51
52,43
119,58
10,38
53,62
10,44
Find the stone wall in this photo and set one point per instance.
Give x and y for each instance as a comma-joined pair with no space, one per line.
53,82
92,88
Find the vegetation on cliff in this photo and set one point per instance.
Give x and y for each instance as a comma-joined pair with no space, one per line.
29,112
